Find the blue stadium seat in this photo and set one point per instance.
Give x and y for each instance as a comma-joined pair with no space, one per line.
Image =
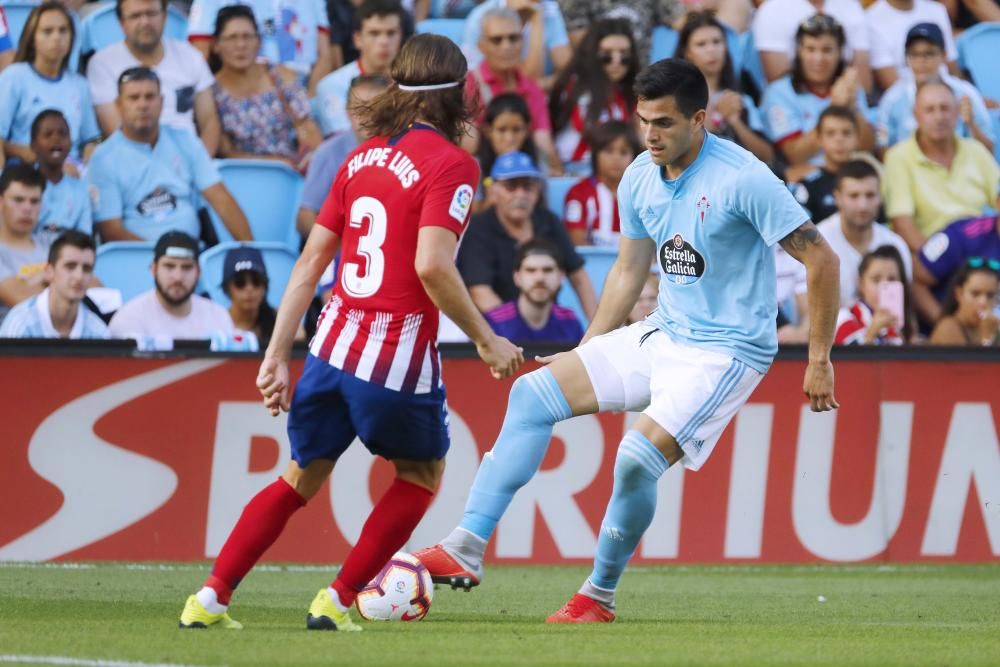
556,188
597,263
977,48
278,258
664,43
101,27
453,29
269,193
17,15
125,266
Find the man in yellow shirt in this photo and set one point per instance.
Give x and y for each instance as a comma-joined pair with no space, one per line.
936,177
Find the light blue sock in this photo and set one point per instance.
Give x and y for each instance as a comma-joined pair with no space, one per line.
638,466
536,403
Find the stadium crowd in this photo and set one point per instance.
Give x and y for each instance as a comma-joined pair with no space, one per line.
880,122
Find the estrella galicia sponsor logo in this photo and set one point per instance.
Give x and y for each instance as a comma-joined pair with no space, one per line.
681,263
159,202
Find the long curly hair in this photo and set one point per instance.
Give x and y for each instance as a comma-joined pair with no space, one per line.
423,60
585,75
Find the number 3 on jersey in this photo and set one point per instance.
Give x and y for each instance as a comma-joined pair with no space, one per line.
370,210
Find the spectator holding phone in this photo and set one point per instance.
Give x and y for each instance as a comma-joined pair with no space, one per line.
969,313
881,313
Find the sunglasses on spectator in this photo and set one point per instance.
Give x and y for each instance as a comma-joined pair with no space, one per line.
497,40
241,279
819,23
608,57
980,262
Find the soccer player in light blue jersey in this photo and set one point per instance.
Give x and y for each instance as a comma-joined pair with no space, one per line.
708,212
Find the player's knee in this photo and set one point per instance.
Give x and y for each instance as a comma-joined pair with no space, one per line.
533,398
307,481
427,474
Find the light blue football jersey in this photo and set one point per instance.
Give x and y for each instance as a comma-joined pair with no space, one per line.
65,205
152,189
713,228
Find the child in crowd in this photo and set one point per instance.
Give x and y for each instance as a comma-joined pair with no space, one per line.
969,314
837,130
506,128
870,321
65,201
591,210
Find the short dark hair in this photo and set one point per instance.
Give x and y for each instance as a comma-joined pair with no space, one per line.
606,134
21,173
137,74
42,116
856,169
370,8
538,246
834,111
119,3
675,78
74,238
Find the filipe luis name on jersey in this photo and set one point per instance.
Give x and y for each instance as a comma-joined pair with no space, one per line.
387,158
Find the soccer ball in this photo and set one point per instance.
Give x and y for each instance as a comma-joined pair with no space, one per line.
402,591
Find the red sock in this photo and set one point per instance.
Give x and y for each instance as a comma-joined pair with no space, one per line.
387,529
259,526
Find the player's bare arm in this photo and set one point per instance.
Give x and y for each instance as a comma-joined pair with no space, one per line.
435,266
808,246
272,379
621,288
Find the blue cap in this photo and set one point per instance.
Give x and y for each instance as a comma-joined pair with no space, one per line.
243,258
514,165
929,32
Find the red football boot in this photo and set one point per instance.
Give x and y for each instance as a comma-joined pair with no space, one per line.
582,609
446,570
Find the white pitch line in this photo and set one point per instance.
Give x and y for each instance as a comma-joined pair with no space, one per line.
81,662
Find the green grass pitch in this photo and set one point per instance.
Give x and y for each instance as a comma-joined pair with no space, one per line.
670,615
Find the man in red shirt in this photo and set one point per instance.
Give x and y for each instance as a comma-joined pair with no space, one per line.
396,211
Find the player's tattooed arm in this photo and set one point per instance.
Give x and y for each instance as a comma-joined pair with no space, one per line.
802,239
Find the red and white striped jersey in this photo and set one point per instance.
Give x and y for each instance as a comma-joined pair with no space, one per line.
380,325
592,207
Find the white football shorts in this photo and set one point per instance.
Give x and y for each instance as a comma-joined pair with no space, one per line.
691,392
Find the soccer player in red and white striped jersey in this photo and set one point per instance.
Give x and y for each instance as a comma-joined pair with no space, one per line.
396,211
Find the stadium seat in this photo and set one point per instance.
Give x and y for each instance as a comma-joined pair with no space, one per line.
125,266
268,192
278,258
597,263
101,27
664,43
977,48
17,16
556,188
453,29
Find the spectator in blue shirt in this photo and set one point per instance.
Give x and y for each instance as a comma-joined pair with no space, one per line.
378,36
65,202
40,79
58,311
925,61
146,178
534,316
945,253
331,153
819,78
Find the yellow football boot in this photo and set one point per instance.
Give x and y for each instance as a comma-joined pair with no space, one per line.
196,616
324,615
